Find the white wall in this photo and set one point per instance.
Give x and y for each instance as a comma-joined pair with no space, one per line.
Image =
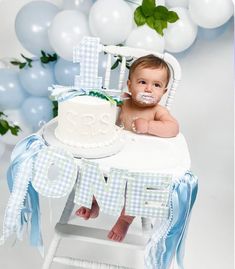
204,108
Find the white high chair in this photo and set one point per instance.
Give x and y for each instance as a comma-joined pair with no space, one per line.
177,165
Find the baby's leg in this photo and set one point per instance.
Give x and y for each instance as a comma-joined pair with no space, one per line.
119,230
87,213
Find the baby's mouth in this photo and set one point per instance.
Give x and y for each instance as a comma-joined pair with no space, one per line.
146,98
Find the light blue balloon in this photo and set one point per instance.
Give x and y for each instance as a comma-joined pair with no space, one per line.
32,23
36,79
12,94
37,111
65,72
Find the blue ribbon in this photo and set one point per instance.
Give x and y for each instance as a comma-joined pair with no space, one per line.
171,243
26,149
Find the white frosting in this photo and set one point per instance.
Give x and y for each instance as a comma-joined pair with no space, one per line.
86,121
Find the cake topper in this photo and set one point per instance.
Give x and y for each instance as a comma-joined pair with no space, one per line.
87,54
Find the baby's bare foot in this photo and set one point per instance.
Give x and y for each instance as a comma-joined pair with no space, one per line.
87,213
120,229
83,212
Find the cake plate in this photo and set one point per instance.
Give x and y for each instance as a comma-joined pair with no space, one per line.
48,134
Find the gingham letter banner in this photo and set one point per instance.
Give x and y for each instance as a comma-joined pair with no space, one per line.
148,194
65,172
109,195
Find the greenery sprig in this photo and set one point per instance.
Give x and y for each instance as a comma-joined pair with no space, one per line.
119,61
22,64
105,97
5,126
45,59
156,17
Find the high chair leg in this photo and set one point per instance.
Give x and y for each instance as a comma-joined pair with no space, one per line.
51,251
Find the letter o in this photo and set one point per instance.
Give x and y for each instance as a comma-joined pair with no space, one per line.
66,176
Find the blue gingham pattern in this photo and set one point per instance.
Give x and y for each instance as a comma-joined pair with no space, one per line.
87,54
110,195
148,194
12,218
66,165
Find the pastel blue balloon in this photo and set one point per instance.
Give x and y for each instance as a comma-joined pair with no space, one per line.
65,72
36,79
37,111
32,23
12,94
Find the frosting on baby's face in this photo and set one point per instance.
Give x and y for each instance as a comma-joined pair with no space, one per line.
147,86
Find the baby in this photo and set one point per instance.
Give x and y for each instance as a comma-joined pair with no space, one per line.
141,113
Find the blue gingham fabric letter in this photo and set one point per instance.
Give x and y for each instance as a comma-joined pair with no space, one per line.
65,168
148,194
109,195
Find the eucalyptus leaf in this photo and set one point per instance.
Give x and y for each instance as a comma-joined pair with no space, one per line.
5,126
14,130
55,108
115,64
139,17
172,16
148,7
161,13
159,26
151,22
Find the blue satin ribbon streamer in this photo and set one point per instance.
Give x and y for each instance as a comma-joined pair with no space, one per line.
27,149
170,245
71,93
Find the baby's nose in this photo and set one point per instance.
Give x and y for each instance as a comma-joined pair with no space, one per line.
148,88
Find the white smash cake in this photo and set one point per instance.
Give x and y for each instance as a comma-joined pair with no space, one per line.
88,123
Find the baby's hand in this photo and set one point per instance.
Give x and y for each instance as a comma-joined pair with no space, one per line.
140,126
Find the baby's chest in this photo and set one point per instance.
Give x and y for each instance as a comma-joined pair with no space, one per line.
128,116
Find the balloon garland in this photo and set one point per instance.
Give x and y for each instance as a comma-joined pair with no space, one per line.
50,32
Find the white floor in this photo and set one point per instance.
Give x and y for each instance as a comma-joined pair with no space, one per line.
204,107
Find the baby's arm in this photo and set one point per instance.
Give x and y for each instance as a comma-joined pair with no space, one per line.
164,125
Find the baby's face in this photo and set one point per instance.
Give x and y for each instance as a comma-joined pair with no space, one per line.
147,86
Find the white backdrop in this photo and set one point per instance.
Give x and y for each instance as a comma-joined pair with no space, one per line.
204,108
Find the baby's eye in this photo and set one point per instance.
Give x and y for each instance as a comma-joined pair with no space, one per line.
142,82
157,85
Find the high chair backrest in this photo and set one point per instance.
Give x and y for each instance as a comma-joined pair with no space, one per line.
127,52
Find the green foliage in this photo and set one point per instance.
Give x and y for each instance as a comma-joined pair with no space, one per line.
119,61
55,108
156,17
5,126
45,59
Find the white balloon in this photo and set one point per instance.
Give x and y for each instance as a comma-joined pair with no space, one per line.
67,29
177,3
15,117
180,35
146,38
81,5
111,21
2,149
210,13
